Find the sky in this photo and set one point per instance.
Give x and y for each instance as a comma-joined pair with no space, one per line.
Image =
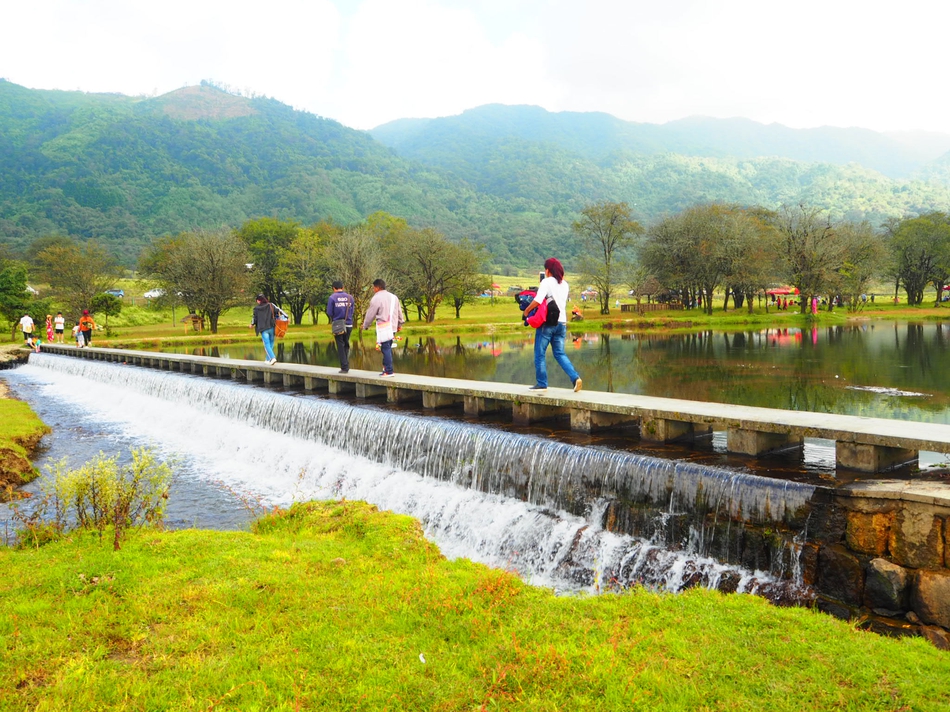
873,64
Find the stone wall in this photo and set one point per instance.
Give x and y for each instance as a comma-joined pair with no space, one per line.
888,565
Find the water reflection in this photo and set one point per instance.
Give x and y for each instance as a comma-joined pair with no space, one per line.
891,370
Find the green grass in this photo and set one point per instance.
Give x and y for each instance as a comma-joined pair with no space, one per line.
329,606
20,431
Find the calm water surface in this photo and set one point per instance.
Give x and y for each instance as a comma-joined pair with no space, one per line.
883,369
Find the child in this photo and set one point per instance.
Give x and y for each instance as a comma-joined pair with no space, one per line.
77,334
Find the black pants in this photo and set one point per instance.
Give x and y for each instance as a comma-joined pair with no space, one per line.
343,348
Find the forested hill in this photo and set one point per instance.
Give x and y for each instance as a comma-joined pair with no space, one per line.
127,169
597,136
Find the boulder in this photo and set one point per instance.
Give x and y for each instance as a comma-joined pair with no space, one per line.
916,539
931,597
937,636
886,585
869,533
840,575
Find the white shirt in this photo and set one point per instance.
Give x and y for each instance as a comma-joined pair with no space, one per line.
550,288
26,323
59,322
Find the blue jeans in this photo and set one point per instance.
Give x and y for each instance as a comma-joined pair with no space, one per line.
386,349
267,336
554,335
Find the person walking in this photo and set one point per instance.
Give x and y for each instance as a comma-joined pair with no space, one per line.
59,323
555,289
86,326
385,310
27,326
340,308
264,322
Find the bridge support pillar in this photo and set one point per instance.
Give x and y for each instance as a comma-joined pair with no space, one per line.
439,400
524,413
368,390
664,430
253,376
224,371
339,387
476,405
755,442
402,395
589,421
291,379
314,384
270,377
871,458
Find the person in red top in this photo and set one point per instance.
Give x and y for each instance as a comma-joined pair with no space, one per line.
86,325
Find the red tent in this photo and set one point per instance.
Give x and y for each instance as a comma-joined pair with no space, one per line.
779,291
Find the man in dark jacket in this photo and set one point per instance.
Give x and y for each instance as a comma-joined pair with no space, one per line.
340,307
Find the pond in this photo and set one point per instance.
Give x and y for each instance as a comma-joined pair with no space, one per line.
893,370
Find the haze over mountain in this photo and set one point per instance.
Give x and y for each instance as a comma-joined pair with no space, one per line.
127,169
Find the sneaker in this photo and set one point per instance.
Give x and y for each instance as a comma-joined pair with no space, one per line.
386,375
272,361
578,384
538,388
344,370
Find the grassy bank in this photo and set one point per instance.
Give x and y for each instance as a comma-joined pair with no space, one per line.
336,606
20,432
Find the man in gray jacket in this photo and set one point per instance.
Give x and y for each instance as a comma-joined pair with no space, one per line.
385,310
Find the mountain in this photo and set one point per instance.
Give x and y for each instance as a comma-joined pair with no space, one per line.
126,169
596,136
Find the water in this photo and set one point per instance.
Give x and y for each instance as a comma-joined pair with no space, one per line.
561,515
876,369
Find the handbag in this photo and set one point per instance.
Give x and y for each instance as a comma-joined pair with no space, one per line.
280,322
338,327
384,329
538,317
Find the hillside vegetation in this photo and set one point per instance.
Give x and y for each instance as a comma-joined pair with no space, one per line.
128,169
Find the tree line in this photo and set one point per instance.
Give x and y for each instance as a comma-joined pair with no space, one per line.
743,252
209,272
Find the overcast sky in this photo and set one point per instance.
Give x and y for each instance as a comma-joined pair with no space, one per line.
875,64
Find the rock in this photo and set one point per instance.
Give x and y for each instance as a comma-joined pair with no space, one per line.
809,563
840,575
833,609
916,539
869,533
931,597
937,636
885,585
912,617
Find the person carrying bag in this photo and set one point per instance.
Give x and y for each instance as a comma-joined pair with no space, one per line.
384,309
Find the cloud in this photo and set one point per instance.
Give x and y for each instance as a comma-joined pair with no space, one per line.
419,58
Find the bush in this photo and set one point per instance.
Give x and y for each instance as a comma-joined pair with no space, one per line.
99,495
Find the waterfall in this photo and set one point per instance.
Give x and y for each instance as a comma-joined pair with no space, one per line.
559,514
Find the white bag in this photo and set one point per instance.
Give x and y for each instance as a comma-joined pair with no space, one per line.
384,329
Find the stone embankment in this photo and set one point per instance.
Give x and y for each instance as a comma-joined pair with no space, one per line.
886,560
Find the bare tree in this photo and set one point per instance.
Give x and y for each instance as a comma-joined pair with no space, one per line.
811,253
354,257
78,272
605,229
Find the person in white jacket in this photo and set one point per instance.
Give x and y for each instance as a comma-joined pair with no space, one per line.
555,289
385,310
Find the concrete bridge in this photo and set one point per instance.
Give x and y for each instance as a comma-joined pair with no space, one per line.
862,444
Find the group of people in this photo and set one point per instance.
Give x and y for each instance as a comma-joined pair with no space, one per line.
385,313
56,328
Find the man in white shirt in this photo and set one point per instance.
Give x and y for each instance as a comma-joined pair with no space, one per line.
554,288
26,326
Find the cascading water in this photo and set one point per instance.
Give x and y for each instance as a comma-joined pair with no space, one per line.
561,515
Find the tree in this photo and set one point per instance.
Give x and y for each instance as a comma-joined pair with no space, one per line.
605,229
471,283
811,255
865,254
353,256
266,240
208,270
78,272
302,272
107,304
920,249
15,301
